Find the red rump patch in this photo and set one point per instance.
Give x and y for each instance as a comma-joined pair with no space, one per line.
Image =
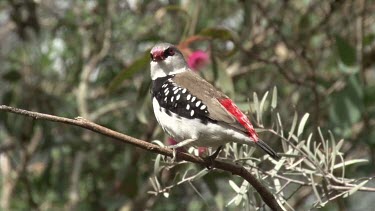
241,117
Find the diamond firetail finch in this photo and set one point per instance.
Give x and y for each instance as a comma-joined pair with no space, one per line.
193,111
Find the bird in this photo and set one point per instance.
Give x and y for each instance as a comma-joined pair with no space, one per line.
192,110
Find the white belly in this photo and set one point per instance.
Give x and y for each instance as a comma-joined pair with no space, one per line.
206,135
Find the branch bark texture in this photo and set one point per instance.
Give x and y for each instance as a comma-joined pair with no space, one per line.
266,195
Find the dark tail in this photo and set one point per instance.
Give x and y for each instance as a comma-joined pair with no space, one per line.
267,149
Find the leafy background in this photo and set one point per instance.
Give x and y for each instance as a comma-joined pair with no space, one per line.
90,59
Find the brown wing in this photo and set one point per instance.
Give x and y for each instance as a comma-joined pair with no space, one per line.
209,96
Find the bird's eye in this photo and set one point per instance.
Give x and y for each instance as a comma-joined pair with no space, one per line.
152,57
169,52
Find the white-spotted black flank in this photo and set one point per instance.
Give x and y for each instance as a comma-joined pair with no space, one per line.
178,100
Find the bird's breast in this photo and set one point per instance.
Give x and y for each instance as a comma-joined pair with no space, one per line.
177,100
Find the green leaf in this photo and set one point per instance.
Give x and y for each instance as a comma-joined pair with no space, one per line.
346,52
173,8
144,89
223,81
347,106
141,63
12,76
8,97
217,33
369,95
368,39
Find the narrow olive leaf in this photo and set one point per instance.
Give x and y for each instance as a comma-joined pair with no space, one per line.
185,173
277,185
158,186
343,168
152,192
231,201
323,140
140,63
302,124
274,98
277,167
305,171
251,151
241,152
235,150
154,185
261,107
244,187
280,124
294,123
256,105
357,187
313,185
300,144
321,158
238,199
350,162
309,152
326,149
333,151
157,164
201,174
316,149
234,186
295,164
339,145
309,142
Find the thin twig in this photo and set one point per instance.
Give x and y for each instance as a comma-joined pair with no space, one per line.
266,195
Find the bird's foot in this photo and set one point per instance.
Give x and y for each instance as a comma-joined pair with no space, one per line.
174,149
174,155
179,145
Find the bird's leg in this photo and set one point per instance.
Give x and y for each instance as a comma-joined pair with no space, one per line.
178,145
213,156
174,153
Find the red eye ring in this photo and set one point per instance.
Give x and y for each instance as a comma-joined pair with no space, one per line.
169,52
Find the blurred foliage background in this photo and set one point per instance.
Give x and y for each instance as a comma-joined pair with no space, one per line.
90,58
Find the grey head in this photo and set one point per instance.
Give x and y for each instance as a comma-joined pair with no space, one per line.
166,59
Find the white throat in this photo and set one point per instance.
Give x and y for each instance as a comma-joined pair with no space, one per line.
167,67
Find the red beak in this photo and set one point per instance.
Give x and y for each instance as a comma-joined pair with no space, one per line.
158,55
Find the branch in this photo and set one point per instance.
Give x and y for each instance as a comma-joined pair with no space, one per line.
266,195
